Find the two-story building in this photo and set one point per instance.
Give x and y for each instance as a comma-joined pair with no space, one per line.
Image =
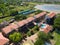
50,18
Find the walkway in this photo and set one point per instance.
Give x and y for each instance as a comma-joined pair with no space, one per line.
33,37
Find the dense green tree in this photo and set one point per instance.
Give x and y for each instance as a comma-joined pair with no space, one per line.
57,22
38,11
1,1
3,9
20,17
13,12
39,42
13,2
15,37
42,37
36,28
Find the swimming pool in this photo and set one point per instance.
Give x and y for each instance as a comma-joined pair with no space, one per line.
49,7
43,25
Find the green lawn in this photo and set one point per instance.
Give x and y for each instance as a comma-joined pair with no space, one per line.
57,38
5,19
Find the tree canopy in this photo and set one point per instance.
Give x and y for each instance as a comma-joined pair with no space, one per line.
39,42
57,22
42,37
15,37
3,9
20,17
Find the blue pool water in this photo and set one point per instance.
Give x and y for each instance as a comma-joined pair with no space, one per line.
49,7
43,25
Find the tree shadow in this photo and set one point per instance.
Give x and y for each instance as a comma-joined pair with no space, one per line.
57,31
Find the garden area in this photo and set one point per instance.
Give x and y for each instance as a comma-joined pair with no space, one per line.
13,10
56,33
33,30
22,10
43,38
56,37
8,12
18,37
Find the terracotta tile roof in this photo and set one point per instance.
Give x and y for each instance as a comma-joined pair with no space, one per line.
7,29
23,22
52,14
30,19
13,26
3,40
47,29
10,28
40,14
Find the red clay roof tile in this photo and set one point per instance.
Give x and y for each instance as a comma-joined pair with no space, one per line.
7,29
3,40
47,29
52,14
40,14
12,26
23,22
30,19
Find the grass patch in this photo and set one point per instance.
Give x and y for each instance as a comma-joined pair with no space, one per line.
56,38
5,19
33,30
